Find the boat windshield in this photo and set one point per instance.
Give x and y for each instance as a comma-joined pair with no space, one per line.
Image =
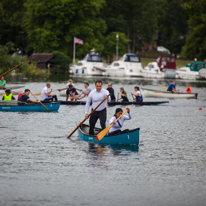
94,58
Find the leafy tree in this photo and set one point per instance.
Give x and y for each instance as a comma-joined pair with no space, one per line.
196,39
60,60
172,22
52,25
111,43
11,25
135,18
7,62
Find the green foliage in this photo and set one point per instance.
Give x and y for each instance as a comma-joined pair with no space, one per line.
195,46
7,62
172,25
52,25
111,43
60,60
11,26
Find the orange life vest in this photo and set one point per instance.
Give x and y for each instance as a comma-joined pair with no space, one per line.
188,90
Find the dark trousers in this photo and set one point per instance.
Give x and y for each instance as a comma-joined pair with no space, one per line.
101,115
118,132
52,98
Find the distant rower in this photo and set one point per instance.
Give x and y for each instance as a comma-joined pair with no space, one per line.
171,87
138,95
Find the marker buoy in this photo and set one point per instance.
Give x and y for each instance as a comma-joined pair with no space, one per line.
200,108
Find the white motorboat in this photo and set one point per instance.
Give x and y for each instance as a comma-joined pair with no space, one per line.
128,66
166,94
15,90
164,67
152,71
194,70
87,66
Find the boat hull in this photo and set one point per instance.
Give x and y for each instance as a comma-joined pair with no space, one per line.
128,138
18,89
116,103
165,94
13,107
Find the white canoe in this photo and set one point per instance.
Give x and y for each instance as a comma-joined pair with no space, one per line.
63,92
166,94
18,89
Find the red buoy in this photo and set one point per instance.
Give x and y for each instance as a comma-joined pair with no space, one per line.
200,108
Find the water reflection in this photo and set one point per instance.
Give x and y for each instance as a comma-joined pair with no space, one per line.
108,150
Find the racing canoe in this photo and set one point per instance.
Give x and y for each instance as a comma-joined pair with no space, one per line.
115,103
166,94
128,138
12,106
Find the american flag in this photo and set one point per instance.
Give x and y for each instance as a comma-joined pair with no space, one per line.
78,41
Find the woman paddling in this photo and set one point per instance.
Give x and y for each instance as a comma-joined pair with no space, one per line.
123,94
138,95
116,128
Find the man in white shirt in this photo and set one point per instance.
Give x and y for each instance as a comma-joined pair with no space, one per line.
95,97
87,91
46,94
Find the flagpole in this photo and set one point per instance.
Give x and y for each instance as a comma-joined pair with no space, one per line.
74,53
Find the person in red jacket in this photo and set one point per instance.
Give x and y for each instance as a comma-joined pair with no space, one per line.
188,90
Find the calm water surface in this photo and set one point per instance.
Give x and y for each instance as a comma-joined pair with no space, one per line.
40,166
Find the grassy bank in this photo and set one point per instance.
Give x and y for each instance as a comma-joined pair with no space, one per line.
179,63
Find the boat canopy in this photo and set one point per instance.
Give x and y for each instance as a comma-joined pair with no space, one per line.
196,66
166,62
130,58
93,58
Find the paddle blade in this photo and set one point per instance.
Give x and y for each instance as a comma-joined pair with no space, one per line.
37,94
103,132
164,87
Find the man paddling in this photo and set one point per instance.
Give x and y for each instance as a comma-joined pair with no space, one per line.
2,83
46,94
111,91
171,87
25,97
8,96
86,92
95,97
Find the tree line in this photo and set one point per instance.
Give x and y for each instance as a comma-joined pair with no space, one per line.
47,26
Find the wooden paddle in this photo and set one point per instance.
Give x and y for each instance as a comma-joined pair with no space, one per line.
88,115
9,70
40,102
106,130
164,87
169,91
52,91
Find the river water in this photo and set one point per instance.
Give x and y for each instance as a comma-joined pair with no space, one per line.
40,166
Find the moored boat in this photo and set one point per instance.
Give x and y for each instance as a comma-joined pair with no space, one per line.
7,106
13,89
115,103
128,138
166,94
192,70
128,66
87,65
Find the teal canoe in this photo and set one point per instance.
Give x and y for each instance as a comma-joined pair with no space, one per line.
30,107
127,138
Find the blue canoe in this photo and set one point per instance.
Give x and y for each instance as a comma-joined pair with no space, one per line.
128,138
30,107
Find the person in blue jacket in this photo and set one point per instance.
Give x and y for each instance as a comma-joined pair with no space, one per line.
171,87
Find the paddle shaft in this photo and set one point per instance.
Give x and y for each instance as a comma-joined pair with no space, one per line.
106,130
40,102
9,70
52,91
88,115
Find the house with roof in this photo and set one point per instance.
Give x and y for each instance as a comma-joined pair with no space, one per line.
42,59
